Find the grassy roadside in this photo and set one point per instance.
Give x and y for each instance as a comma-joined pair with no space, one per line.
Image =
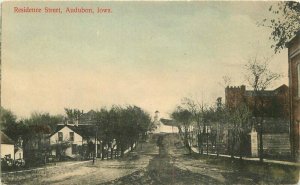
259,172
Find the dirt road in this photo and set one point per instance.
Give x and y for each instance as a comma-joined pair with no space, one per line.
168,165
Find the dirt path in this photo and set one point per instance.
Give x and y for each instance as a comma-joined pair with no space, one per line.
166,169
174,166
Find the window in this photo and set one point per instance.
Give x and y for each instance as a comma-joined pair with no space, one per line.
298,71
74,149
71,136
60,136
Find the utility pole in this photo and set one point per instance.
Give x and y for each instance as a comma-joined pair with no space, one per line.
207,140
217,140
95,153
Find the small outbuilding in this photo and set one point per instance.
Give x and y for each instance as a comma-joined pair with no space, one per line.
7,146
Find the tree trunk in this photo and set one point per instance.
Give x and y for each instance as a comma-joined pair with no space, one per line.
206,143
102,151
241,136
232,144
122,151
186,141
111,152
107,153
199,142
131,146
217,140
203,135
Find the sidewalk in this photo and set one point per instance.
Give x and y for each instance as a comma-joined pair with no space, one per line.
254,159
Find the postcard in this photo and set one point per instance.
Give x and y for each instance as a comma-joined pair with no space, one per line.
150,92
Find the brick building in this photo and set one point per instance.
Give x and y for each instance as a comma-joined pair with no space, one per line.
294,83
276,102
274,108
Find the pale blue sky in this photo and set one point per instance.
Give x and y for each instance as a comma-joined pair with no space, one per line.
150,54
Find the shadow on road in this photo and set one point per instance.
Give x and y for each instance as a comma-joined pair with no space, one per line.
162,170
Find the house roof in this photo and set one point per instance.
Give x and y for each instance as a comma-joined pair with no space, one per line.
5,139
168,122
82,130
282,88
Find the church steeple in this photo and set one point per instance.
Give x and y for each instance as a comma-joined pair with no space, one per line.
156,116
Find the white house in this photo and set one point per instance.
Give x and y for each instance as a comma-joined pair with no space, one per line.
7,146
164,126
73,137
66,135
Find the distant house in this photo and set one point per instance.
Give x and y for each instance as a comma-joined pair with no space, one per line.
73,139
164,125
168,126
7,147
88,118
294,82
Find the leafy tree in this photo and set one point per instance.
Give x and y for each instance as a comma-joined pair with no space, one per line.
104,129
239,119
43,122
184,118
34,131
137,123
60,149
10,125
285,24
121,127
73,114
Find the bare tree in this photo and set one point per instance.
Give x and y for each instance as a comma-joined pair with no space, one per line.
226,81
240,125
259,77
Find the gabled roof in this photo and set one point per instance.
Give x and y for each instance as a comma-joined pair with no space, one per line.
168,122
282,88
82,130
5,139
